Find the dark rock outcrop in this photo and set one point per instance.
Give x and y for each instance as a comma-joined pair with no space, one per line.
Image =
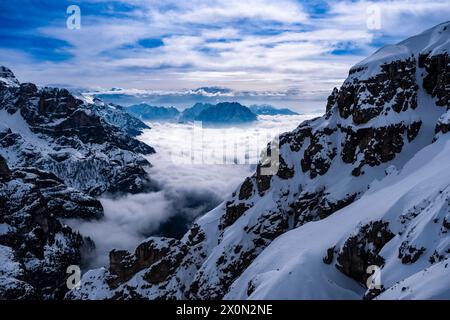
85,148
226,113
5,173
160,256
32,202
376,92
438,77
362,250
409,253
60,149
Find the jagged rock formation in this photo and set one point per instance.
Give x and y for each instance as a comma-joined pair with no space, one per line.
190,114
268,110
366,184
118,116
56,152
52,130
35,247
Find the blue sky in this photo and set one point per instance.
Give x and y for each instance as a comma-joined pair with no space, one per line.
283,46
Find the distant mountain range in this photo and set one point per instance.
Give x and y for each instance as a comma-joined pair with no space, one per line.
221,113
268,110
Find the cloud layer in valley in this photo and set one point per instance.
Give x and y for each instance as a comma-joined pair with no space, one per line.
187,190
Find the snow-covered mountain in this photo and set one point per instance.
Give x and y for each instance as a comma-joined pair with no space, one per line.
56,153
226,113
35,246
366,185
221,113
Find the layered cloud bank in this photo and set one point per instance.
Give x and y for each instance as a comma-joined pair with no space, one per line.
300,47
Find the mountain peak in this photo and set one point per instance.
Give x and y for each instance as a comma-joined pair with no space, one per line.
8,77
431,42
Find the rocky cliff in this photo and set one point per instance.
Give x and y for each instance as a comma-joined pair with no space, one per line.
56,153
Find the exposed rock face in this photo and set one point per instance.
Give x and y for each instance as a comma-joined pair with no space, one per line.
438,76
232,213
7,77
31,205
409,254
319,154
318,205
77,141
226,113
5,173
246,190
380,93
381,116
117,116
189,114
362,250
55,151
443,125
375,146
148,112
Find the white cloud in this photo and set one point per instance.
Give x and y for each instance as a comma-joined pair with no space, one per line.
245,45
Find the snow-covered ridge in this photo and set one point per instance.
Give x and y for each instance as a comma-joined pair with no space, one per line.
56,153
7,77
364,185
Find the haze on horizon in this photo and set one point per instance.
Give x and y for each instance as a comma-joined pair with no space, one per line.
298,50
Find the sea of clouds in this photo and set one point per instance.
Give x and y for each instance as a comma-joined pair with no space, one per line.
189,186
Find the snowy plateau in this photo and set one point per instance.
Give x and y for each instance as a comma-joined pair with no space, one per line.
366,185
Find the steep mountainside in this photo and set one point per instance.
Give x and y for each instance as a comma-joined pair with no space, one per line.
226,113
221,113
35,247
52,130
56,152
191,113
268,110
367,184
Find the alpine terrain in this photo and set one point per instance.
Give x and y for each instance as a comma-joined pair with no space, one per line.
358,209
364,187
57,153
